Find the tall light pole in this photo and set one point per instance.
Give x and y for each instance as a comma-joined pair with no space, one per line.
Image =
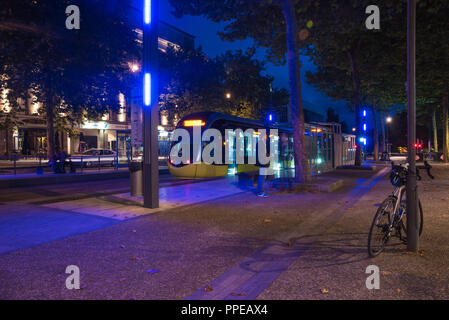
388,120
412,199
150,105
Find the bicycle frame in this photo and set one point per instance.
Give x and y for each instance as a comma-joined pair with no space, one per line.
398,193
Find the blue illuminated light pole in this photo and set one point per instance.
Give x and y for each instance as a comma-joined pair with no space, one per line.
364,127
150,105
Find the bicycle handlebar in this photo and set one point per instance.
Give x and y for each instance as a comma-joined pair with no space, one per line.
426,166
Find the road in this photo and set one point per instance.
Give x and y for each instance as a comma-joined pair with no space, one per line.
77,190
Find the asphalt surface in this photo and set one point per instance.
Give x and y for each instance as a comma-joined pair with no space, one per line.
175,253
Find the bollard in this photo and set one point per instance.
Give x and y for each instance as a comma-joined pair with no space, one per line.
135,172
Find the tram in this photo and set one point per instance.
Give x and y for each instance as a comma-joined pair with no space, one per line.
327,147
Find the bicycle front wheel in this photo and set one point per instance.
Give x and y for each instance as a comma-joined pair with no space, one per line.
380,232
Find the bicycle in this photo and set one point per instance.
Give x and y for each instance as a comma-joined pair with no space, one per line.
391,216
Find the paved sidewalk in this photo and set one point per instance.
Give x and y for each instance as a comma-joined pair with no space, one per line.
306,245
122,206
24,225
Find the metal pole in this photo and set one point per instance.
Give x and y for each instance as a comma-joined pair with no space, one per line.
412,201
116,149
150,104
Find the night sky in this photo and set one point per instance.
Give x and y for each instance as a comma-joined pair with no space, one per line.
205,32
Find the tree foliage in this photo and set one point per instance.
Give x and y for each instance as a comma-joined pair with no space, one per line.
74,73
231,83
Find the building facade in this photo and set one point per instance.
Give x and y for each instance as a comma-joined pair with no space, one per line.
27,136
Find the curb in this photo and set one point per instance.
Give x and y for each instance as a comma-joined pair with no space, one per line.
65,178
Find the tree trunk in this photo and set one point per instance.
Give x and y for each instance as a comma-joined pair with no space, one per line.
445,106
375,134
353,54
50,129
301,166
382,125
7,144
435,129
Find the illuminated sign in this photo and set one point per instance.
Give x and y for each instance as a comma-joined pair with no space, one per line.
193,123
94,125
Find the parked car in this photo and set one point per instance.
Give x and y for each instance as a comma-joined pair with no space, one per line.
95,157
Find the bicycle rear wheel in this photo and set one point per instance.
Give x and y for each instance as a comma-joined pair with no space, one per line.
420,220
380,232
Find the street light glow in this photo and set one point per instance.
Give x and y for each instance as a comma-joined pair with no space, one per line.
147,11
134,67
389,119
228,95
147,89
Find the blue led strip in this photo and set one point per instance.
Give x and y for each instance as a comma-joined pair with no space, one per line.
147,89
147,12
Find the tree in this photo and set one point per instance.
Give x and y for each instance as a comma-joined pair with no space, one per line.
251,93
349,56
8,119
432,61
189,82
75,74
8,115
272,24
231,83
332,116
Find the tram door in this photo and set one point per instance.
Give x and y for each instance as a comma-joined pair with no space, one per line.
231,140
328,156
123,147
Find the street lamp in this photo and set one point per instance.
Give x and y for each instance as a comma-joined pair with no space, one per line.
150,105
388,120
228,95
134,67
